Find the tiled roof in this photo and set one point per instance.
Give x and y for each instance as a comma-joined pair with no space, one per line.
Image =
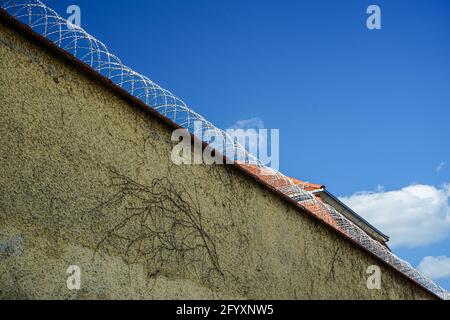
318,209
279,183
268,177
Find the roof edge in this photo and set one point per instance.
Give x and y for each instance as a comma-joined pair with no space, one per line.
355,215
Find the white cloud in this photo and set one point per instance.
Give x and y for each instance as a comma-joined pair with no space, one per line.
253,123
435,267
414,216
260,142
441,166
248,130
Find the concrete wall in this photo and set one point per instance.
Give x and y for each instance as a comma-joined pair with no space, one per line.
86,179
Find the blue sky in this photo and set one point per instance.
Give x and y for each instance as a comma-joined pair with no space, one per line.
358,109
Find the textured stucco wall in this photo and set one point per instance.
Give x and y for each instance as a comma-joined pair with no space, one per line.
86,179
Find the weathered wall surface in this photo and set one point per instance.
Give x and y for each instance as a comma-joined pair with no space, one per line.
86,179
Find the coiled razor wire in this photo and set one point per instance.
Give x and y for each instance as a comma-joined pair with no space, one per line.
94,53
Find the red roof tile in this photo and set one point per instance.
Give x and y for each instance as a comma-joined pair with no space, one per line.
281,182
